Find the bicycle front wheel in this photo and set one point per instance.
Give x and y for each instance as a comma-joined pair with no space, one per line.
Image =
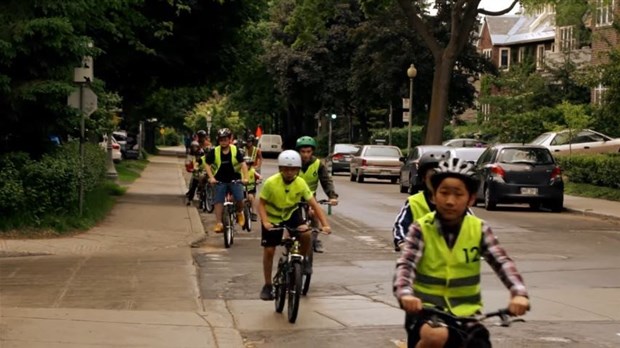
248,217
294,292
209,204
228,230
279,286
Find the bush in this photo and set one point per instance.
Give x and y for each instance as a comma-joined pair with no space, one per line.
599,170
49,186
169,138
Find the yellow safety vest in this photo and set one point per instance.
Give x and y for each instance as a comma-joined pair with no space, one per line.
418,205
251,179
450,278
254,153
311,175
218,159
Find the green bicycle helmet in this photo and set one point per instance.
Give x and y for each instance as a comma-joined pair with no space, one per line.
304,142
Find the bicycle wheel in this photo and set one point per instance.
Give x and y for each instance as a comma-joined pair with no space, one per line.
203,200
279,286
209,205
307,277
248,217
228,230
294,292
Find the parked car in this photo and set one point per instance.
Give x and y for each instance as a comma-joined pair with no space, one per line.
585,141
511,173
469,154
116,148
270,144
121,139
465,142
376,161
340,159
409,169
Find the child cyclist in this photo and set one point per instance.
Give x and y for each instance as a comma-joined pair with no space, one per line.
253,178
278,204
195,164
440,262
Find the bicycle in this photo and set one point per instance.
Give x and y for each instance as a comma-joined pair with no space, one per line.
207,196
288,277
229,216
305,215
436,317
248,211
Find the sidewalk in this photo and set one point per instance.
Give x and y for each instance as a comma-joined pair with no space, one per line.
130,281
593,207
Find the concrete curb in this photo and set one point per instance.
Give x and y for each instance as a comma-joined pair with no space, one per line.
592,213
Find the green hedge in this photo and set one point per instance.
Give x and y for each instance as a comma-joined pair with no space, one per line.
599,170
48,186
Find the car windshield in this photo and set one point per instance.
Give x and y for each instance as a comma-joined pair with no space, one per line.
382,152
471,156
345,148
540,140
525,155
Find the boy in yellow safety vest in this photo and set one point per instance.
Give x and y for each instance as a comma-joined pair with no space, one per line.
440,262
253,178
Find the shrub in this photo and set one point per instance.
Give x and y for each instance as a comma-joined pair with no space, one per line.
599,170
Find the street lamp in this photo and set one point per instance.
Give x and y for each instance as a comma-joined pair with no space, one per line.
411,73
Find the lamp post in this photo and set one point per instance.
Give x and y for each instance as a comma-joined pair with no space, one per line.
411,73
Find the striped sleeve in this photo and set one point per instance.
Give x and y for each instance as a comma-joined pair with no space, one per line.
407,262
402,223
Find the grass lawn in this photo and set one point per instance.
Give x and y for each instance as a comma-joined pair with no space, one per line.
129,170
591,191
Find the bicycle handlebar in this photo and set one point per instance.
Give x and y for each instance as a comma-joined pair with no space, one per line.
503,313
280,227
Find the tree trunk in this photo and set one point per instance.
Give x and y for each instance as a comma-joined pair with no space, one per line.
439,102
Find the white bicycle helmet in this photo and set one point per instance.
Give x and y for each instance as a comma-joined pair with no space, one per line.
456,168
289,158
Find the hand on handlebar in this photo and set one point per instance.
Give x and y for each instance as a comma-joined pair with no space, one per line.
519,305
212,181
333,201
268,225
411,304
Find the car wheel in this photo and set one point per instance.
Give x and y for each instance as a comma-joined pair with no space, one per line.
557,205
360,177
535,206
488,203
393,180
352,177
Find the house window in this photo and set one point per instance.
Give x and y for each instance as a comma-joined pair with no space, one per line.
521,55
487,52
540,56
504,58
567,39
599,95
604,12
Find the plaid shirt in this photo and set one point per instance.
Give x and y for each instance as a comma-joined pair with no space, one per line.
492,252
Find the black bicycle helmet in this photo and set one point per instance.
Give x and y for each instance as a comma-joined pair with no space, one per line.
456,168
428,161
224,133
201,133
251,138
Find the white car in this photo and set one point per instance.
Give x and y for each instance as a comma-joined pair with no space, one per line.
584,141
116,148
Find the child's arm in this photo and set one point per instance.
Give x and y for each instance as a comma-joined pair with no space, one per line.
406,265
502,264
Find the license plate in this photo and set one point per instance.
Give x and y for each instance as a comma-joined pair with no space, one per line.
274,146
385,172
529,191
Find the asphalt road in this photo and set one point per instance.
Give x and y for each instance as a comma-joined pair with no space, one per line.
569,262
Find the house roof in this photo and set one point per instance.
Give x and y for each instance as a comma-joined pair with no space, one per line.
511,30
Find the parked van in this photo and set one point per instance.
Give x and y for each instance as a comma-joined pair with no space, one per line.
270,144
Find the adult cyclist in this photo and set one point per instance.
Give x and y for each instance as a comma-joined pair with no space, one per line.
278,204
314,171
225,164
203,141
418,204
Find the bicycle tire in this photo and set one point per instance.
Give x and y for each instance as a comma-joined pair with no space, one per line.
280,286
306,284
228,226
203,200
248,217
209,199
294,292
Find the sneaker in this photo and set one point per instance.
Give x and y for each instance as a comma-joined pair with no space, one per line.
317,245
266,294
253,217
240,219
219,228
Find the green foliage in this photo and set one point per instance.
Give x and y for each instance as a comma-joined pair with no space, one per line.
38,190
599,170
169,138
592,191
399,135
129,170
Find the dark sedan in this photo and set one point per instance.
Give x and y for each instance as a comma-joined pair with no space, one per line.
340,159
520,174
409,169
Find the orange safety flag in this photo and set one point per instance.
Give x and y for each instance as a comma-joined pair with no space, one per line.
259,131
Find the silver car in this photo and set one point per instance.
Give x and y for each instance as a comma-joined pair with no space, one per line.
376,161
585,141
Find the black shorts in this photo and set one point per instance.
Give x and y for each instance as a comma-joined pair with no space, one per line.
274,238
477,334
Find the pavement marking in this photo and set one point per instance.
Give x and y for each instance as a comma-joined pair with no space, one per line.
69,282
